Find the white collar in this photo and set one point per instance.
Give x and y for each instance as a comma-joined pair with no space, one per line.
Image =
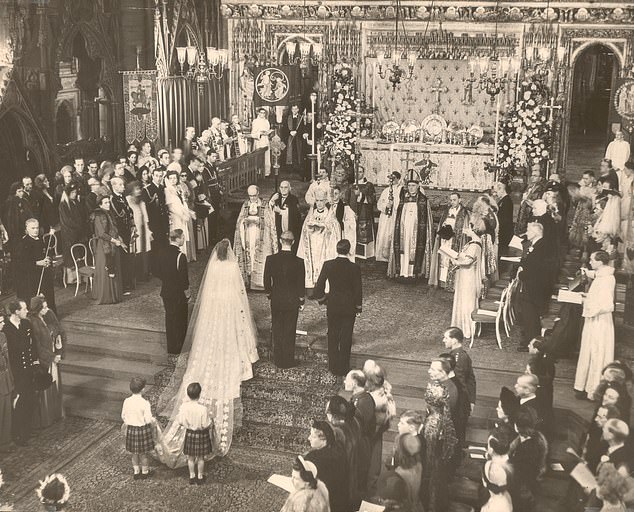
612,449
527,398
17,326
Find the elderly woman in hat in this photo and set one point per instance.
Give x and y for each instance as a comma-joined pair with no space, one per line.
310,493
48,337
72,219
107,286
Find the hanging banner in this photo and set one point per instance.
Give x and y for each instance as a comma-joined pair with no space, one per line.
279,85
140,105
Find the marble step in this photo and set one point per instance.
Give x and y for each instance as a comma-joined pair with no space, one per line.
96,409
128,349
102,389
116,332
104,366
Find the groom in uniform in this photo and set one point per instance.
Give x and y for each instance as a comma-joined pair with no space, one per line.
175,291
343,305
284,284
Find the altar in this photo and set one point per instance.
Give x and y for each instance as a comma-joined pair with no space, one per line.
457,167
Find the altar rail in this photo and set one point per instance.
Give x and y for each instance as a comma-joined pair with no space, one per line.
242,171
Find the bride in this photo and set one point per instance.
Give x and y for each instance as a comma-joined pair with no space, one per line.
219,348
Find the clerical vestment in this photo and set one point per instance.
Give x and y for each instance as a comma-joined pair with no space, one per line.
619,152
260,129
442,271
294,143
385,232
318,242
412,241
254,240
317,187
347,220
364,208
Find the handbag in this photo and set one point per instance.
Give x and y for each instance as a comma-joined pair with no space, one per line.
42,379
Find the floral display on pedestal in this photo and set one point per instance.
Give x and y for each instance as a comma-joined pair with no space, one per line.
341,127
525,132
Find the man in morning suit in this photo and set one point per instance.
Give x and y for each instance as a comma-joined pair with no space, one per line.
158,220
285,205
343,305
22,358
175,291
536,277
284,284
505,216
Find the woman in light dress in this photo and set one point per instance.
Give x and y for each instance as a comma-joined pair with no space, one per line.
470,276
180,216
142,244
219,349
597,338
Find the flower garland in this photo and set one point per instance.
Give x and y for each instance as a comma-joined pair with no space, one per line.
524,137
341,127
53,490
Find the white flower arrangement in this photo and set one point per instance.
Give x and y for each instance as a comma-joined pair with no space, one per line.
53,490
525,130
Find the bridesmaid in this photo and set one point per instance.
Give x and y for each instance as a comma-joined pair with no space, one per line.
47,335
469,278
107,287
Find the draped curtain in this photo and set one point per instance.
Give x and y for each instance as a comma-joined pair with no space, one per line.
183,102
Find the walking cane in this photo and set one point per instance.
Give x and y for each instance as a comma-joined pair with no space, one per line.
48,248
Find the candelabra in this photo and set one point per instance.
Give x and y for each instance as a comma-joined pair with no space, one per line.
494,73
200,68
395,72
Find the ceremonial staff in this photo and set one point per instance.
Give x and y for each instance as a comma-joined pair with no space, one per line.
48,248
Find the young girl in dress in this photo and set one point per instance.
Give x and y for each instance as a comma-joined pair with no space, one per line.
139,422
196,419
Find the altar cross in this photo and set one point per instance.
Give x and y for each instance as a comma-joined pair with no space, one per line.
438,88
551,109
406,159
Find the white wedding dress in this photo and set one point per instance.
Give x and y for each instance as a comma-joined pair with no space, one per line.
219,349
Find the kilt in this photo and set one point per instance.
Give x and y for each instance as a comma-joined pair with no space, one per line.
197,443
139,439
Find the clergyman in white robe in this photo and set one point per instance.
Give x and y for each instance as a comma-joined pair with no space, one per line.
618,151
260,130
385,232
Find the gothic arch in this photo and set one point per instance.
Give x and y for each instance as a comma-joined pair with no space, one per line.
65,109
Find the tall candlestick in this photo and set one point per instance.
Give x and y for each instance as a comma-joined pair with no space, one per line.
313,97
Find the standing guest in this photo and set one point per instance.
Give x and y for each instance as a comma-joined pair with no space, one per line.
189,143
616,434
6,389
505,216
343,305
453,339
72,218
121,171
108,286
284,285
158,219
318,242
470,275
285,205
136,414
495,480
346,218
387,205
215,194
106,174
618,151
405,475
27,184
175,291
330,462
537,282
22,358
180,215
608,177
593,444
164,159
34,266
92,171
483,209
146,152
195,417
132,163
528,457
410,422
145,175
78,167
67,179
46,334
578,231
17,211
142,244
123,217
597,339
535,190
340,415
440,442
462,409
260,131
48,214
187,189
438,372
543,214
526,388
310,493
450,234
90,201
254,238
542,365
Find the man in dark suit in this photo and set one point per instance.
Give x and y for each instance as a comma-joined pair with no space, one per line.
22,359
537,279
154,197
343,305
175,291
284,284
124,220
505,216
285,205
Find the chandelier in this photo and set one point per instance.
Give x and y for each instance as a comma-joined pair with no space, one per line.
394,72
200,67
494,72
